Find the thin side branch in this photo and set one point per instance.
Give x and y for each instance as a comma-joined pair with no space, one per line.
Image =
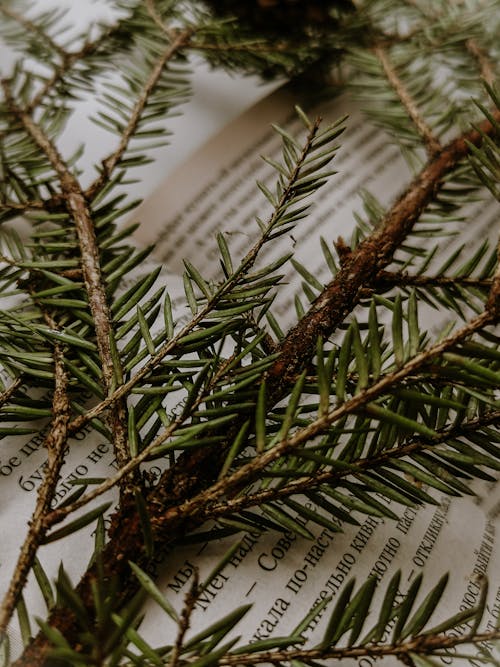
68,61
153,12
231,505
6,394
55,444
431,143
22,207
424,645
185,620
486,67
30,26
110,163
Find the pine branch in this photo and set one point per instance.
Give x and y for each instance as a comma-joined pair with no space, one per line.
175,503
294,405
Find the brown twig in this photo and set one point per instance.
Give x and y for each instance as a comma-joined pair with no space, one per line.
185,619
55,443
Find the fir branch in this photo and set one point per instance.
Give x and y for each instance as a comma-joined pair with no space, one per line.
35,28
250,471
125,531
181,482
170,346
66,59
70,59
204,480
343,293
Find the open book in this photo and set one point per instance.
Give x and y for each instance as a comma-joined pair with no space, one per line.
285,577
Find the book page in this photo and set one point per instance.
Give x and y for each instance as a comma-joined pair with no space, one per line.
284,575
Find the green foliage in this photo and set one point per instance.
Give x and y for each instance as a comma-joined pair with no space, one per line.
252,428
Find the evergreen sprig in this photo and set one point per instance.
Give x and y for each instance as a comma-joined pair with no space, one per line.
355,410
